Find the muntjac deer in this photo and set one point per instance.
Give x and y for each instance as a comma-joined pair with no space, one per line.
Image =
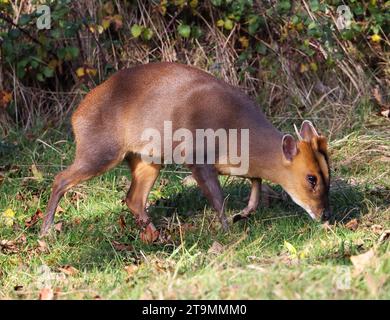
110,124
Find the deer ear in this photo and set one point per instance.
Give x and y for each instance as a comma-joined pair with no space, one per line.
321,144
308,131
289,147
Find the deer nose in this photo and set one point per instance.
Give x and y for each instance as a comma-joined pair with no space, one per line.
326,215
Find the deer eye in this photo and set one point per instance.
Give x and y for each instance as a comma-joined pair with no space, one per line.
312,180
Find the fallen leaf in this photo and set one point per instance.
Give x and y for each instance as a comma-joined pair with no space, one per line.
57,292
122,222
59,209
22,238
131,269
5,98
106,23
384,236
291,249
118,22
68,270
36,173
121,246
20,196
385,107
8,246
58,227
34,219
109,7
244,41
189,181
42,245
361,261
352,224
187,227
256,267
377,228
46,294
385,113
216,248
80,72
77,196
163,265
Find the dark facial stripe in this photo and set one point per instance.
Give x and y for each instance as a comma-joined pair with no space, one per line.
323,163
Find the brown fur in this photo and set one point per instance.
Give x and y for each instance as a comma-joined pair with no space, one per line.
108,124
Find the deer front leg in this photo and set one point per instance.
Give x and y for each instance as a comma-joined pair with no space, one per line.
207,178
143,177
253,201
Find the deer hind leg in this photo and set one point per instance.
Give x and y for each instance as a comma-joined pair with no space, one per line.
253,201
143,177
207,179
84,167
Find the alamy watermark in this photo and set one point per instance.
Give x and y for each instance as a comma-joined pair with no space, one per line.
342,278
344,17
224,147
44,20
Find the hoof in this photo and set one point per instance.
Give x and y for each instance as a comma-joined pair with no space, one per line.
48,235
225,225
239,217
150,234
45,231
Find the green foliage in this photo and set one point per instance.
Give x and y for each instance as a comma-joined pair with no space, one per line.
78,37
184,30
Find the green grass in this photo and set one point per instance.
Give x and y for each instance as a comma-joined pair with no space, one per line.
254,263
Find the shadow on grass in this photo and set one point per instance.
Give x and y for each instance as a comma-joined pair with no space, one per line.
97,245
347,201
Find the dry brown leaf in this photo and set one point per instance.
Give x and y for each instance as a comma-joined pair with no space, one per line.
59,210
76,221
163,265
5,98
58,227
361,261
34,219
77,196
37,175
68,270
384,236
121,246
131,269
57,292
352,224
377,228
385,113
46,294
377,95
187,227
42,246
8,246
122,222
189,181
385,108
20,196
216,248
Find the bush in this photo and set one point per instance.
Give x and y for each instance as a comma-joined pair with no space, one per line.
283,52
